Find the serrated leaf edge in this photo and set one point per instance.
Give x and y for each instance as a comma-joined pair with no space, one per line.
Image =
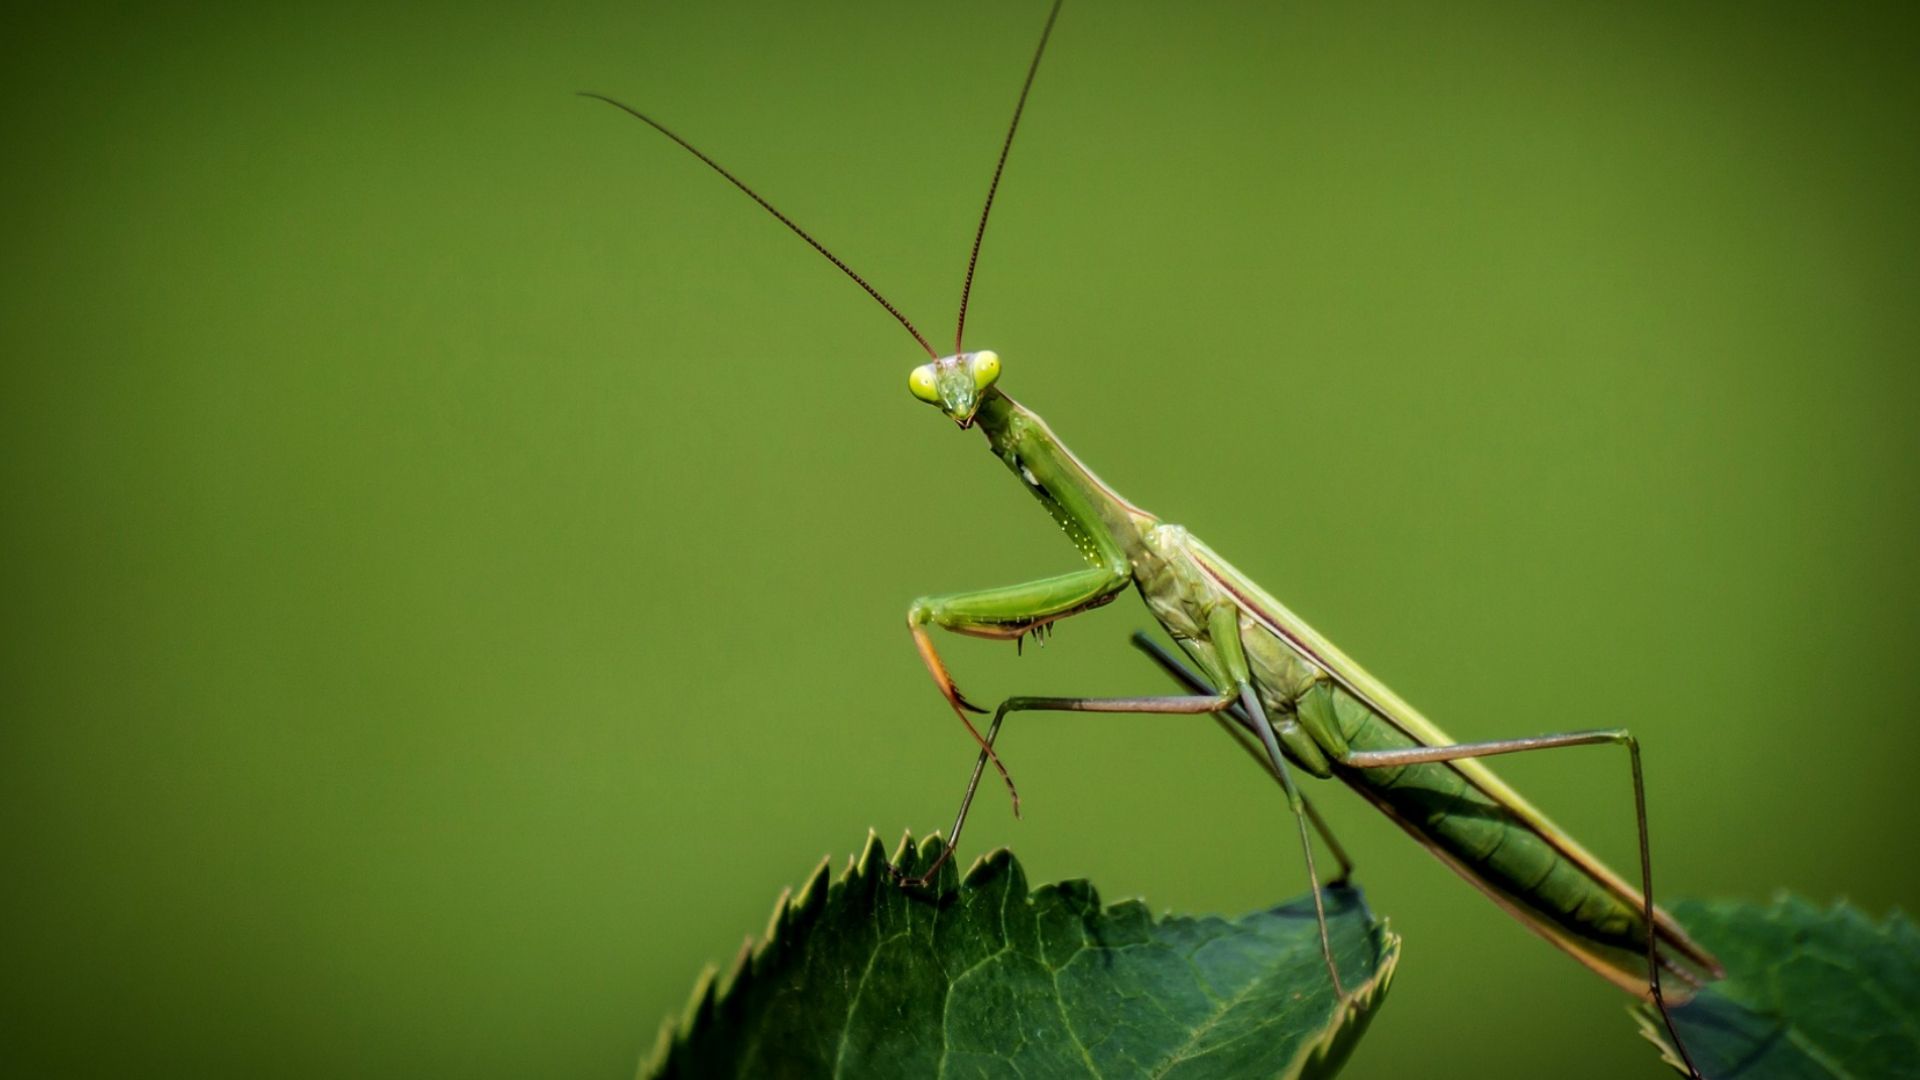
792,907
711,989
1355,1010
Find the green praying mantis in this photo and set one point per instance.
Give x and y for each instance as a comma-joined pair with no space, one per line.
1292,698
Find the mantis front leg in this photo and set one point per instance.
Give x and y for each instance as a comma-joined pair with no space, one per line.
1006,612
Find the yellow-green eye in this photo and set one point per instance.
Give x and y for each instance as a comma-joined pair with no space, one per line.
986,368
921,383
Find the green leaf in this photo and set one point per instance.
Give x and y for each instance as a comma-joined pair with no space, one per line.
1808,993
858,977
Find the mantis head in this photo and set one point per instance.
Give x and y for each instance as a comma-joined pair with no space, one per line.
956,383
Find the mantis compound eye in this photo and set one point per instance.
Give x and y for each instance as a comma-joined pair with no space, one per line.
986,368
922,385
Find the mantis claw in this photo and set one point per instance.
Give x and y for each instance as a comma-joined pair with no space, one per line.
902,881
922,880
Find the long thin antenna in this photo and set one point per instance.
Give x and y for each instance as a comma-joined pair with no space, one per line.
966,289
784,219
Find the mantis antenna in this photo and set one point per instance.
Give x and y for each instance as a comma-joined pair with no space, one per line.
784,219
966,288
979,233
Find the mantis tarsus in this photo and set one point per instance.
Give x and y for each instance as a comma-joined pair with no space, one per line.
1293,699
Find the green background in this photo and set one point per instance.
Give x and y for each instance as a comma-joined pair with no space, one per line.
455,548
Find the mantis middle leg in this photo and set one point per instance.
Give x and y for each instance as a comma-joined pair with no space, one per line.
1181,705
1242,702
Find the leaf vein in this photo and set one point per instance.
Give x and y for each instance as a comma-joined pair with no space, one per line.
853,1002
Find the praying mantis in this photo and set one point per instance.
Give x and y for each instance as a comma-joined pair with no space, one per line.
1294,700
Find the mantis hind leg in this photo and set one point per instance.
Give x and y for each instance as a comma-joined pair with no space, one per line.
1417,755
1297,803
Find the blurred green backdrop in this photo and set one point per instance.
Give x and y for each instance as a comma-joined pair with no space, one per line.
455,547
